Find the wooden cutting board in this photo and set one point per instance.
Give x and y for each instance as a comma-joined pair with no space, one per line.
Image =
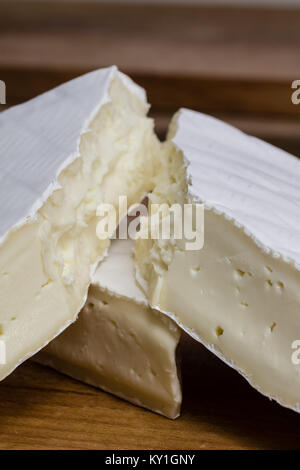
235,63
43,409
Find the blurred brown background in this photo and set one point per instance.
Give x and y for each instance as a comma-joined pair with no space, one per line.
235,60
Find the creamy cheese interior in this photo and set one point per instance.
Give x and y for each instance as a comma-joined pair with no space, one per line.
238,298
239,295
120,344
46,265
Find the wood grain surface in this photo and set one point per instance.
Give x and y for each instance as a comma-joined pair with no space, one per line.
42,409
233,63
153,39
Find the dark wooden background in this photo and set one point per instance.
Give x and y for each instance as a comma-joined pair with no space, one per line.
42,409
237,64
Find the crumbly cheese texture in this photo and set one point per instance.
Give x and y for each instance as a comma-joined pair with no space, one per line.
63,154
239,295
120,344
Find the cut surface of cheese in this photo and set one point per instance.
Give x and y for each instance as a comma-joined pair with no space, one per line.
118,343
62,155
239,295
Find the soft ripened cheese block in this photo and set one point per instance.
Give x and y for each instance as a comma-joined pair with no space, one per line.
240,294
118,343
62,155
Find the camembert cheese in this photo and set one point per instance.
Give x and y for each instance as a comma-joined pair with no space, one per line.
62,155
120,344
239,295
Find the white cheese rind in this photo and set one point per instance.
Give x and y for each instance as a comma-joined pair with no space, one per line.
239,295
67,147
118,343
41,137
248,180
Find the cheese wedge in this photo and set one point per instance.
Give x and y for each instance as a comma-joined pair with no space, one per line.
62,155
118,343
240,294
